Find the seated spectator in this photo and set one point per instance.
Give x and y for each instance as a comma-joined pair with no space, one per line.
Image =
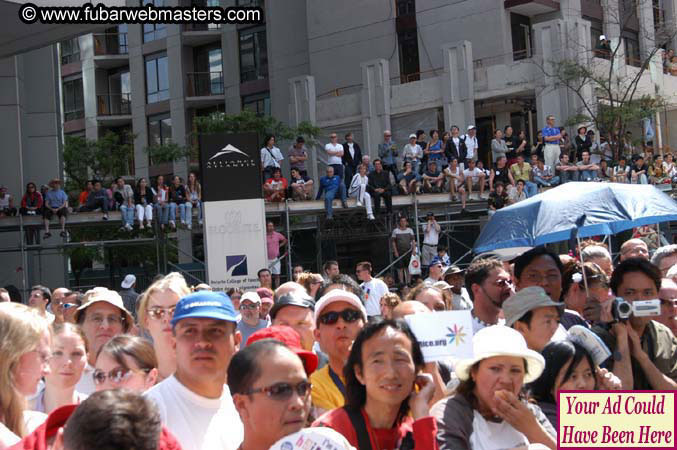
144,199
568,366
433,178
97,199
544,176
366,160
380,187
567,171
408,179
522,171
667,56
194,200
178,199
31,202
669,167
301,185
82,198
456,182
672,66
274,189
393,416
358,189
162,201
56,202
531,312
497,199
501,172
621,172
6,203
331,186
656,173
586,169
517,194
413,153
126,362
488,409
124,197
639,171
474,177
605,172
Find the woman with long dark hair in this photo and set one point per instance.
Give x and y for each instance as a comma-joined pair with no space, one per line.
387,394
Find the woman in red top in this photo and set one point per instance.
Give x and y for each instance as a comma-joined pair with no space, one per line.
384,383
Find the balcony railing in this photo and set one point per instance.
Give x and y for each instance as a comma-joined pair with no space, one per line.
110,44
204,84
113,104
201,27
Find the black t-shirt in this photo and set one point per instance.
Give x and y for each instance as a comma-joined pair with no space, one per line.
512,143
501,175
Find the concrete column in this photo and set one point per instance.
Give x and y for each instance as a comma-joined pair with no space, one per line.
458,87
647,37
302,98
231,63
89,83
375,104
612,29
670,7
137,76
549,37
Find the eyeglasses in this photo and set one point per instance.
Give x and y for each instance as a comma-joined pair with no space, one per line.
161,313
112,319
348,315
503,283
116,376
249,306
69,305
283,391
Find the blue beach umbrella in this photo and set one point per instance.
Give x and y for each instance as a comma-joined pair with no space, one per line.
592,209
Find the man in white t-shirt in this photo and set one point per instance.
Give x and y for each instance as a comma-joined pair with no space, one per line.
435,273
195,403
474,177
373,289
471,144
334,155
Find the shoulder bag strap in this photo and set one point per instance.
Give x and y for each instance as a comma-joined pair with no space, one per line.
360,427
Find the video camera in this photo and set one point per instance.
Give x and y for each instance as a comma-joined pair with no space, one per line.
622,309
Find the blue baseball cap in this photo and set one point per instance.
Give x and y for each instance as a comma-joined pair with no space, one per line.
205,305
435,261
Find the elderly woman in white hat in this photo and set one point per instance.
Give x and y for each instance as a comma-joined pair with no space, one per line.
488,411
102,316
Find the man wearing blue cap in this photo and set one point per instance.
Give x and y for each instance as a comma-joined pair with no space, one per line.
436,270
195,403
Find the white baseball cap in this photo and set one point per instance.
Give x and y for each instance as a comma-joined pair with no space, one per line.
128,281
339,295
412,136
251,296
471,127
602,38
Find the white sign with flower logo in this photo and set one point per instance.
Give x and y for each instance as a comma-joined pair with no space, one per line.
443,335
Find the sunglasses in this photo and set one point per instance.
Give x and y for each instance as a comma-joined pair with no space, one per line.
348,315
161,313
250,306
116,376
283,391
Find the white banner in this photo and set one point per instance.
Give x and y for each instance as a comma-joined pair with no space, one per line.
235,243
443,335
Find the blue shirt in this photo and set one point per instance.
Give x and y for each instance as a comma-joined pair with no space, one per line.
328,184
550,131
54,198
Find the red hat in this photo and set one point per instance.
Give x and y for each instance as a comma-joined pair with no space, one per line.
265,294
37,440
292,339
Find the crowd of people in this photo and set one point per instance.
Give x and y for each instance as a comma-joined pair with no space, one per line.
168,203
436,162
325,357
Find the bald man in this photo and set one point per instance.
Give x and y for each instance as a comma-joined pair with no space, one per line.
634,248
668,297
408,308
286,288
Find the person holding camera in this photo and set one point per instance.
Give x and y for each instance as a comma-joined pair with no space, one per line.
644,352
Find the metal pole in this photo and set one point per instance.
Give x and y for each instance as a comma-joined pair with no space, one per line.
24,257
418,240
657,130
286,207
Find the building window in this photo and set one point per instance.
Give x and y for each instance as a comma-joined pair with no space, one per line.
631,42
258,103
157,82
520,29
70,51
73,99
253,54
159,130
154,31
406,8
407,40
249,3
